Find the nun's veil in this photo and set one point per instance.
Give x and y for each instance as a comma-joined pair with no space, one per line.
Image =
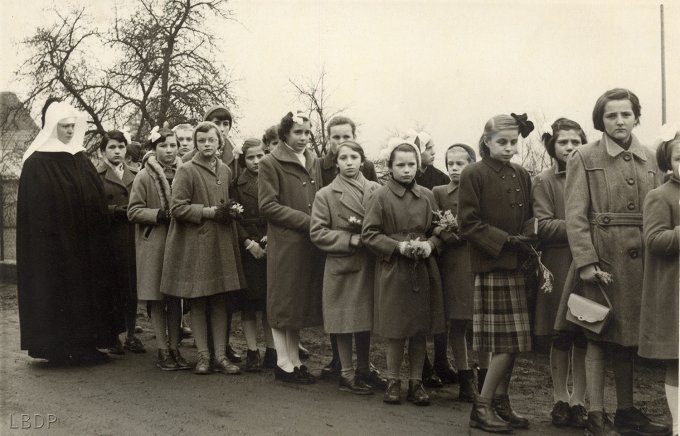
47,140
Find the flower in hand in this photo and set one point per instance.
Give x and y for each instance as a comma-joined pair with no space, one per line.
446,220
354,224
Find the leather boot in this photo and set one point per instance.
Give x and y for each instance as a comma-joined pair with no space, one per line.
501,405
468,385
484,417
599,424
392,393
416,393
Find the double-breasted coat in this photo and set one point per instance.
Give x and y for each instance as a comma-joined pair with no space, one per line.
202,256
151,192
605,189
408,298
548,197
659,318
286,190
458,280
117,193
348,274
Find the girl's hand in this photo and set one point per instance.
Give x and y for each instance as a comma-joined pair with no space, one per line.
256,251
588,273
427,248
404,250
355,240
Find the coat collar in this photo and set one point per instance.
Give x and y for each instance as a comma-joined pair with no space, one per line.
109,175
399,190
558,171
246,177
614,149
283,153
452,187
197,161
337,187
327,161
494,164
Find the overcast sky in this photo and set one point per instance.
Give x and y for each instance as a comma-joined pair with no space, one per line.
445,65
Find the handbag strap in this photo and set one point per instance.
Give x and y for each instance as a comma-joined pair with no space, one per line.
609,303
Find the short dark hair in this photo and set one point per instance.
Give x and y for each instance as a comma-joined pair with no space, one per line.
205,127
615,94
560,124
472,156
116,135
408,148
247,145
340,120
664,151
134,151
165,133
355,146
287,124
271,134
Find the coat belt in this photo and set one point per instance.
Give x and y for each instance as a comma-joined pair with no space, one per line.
616,219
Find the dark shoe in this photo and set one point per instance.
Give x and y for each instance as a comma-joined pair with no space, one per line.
468,385
223,365
253,361
269,360
306,375
481,376
484,416
430,378
501,405
303,352
354,386
165,361
372,378
181,362
578,415
331,371
290,377
117,348
632,421
392,393
203,365
446,372
232,355
599,424
134,345
561,414
416,393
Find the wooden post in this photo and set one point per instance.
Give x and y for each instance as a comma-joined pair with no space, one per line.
2,219
663,71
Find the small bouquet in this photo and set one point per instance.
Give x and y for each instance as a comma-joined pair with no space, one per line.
604,277
545,277
446,220
263,242
354,224
417,249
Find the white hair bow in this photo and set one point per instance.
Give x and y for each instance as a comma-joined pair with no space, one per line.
154,135
299,117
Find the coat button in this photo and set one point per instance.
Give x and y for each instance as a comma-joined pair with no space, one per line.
517,189
521,204
219,182
633,253
631,181
512,205
514,176
626,157
606,220
304,183
631,206
502,177
312,182
309,206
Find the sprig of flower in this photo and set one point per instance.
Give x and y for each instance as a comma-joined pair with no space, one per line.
263,242
235,209
354,224
447,220
604,277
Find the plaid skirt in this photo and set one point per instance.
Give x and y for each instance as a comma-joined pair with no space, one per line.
500,321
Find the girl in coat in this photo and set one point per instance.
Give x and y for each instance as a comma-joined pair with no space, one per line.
202,261
270,139
494,210
568,345
149,209
661,226
288,180
607,181
408,302
457,277
117,179
253,239
337,214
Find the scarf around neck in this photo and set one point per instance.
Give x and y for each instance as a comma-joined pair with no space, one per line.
355,188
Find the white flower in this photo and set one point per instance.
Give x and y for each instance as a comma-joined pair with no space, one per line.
354,220
236,207
154,135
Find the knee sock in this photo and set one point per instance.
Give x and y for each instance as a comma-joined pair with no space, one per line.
345,352
249,324
559,370
268,338
416,356
174,317
334,348
395,355
293,343
459,346
362,342
218,319
282,360
498,368
578,376
199,324
623,376
441,344
159,321
595,376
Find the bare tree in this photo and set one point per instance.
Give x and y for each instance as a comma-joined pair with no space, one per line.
314,94
533,155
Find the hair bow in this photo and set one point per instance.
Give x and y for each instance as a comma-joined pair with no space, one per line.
299,117
154,135
525,126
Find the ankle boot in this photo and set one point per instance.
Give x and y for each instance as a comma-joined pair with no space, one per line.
416,393
501,404
481,376
484,417
270,357
392,393
468,386
253,361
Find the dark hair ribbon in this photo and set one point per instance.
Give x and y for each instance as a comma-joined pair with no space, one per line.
525,126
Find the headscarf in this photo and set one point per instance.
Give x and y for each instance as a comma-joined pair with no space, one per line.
47,140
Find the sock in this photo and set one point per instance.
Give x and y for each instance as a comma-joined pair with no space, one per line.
672,398
459,346
199,324
345,352
218,319
595,376
282,360
293,341
159,321
578,376
174,320
559,370
250,332
362,342
395,355
416,355
334,348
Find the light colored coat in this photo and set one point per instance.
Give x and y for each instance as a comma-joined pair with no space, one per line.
659,318
348,274
408,298
202,257
605,189
286,191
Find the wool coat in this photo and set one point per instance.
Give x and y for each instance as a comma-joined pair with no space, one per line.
659,318
227,157
117,193
253,227
408,299
149,195
329,170
605,189
548,198
286,191
202,256
348,274
458,280
494,202
431,177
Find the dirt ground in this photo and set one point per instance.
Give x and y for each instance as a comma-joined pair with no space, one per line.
131,396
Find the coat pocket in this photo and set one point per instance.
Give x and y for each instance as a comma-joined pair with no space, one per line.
343,264
147,231
602,242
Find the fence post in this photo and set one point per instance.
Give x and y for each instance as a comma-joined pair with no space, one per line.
2,218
